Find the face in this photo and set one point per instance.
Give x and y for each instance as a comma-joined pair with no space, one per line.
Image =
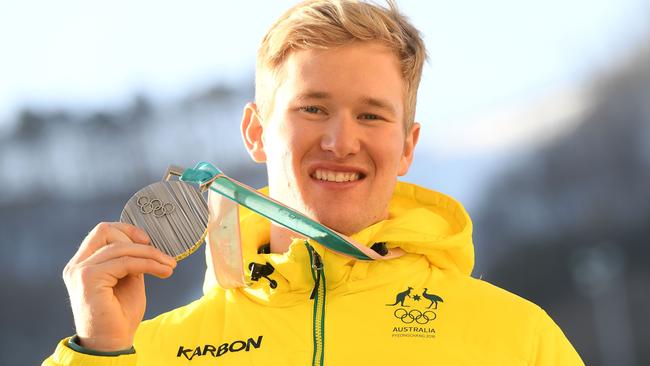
334,142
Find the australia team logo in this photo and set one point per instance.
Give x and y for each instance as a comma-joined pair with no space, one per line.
416,309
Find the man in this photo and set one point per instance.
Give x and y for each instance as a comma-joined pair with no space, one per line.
336,86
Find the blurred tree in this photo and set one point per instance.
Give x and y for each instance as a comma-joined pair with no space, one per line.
140,110
30,125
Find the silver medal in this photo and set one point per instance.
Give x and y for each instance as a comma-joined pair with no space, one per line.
173,213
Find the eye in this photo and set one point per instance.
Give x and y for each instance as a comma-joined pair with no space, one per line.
370,116
310,109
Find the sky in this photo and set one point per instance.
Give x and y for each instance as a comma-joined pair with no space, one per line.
486,57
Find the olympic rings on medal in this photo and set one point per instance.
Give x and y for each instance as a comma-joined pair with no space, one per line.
154,206
414,315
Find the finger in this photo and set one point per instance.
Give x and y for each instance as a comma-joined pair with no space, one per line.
123,266
120,249
105,233
137,235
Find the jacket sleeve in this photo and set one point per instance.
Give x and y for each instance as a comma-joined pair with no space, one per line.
551,347
64,355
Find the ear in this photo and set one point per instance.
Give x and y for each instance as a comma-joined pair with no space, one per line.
411,140
252,131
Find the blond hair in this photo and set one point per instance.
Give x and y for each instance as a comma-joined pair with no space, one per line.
330,23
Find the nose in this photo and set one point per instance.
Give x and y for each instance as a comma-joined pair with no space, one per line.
341,136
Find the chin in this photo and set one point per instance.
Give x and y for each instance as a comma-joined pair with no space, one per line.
344,218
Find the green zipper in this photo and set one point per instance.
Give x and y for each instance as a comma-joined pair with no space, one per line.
318,295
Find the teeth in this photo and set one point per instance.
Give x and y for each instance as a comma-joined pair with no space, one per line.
331,176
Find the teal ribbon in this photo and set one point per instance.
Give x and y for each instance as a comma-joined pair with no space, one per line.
201,173
204,172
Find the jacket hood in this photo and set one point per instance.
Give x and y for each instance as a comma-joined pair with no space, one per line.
424,223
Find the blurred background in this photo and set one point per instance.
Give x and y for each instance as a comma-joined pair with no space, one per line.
536,115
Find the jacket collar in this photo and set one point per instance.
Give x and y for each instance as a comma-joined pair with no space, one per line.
433,228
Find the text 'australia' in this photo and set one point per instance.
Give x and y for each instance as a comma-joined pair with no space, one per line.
213,351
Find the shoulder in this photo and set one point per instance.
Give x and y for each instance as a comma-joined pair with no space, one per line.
485,310
509,321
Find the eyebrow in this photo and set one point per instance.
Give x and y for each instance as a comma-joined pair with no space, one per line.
313,95
374,102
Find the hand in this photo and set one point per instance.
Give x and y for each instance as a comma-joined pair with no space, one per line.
105,282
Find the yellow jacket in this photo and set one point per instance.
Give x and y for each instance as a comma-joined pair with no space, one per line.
421,308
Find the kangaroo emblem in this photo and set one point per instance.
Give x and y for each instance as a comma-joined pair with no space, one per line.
399,299
433,298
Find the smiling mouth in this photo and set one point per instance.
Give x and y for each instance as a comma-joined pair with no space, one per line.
334,176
